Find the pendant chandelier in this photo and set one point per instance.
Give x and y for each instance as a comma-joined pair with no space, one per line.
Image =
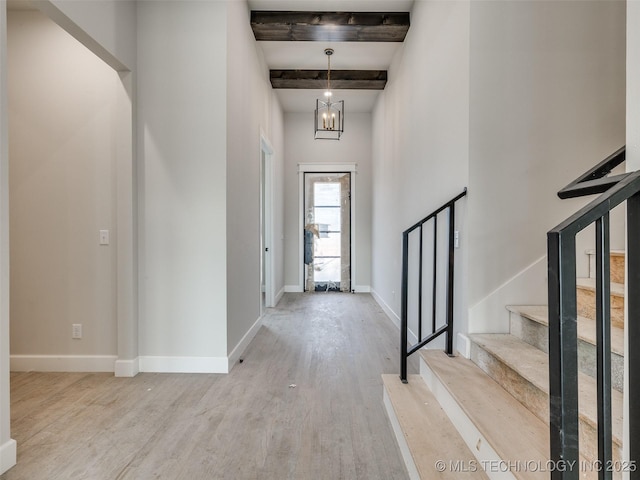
329,115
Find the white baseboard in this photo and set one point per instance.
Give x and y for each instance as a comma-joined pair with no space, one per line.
127,368
279,296
413,338
63,363
464,346
244,343
386,308
362,288
8,455
184,364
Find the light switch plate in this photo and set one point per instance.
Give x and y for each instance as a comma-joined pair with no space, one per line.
76,330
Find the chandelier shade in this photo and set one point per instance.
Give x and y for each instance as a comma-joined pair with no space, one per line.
329,120
328,115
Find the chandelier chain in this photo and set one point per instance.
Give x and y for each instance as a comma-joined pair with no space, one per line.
329,117
329,73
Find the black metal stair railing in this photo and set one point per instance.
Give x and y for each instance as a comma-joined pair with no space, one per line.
563,340
596,180
447,327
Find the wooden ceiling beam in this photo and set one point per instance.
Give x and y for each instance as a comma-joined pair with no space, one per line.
340,79
329,26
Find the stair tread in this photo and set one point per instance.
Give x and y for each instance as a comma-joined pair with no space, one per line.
420,415
494,412
586,326
617,289
533,365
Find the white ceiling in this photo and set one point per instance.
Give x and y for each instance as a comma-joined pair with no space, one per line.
347,56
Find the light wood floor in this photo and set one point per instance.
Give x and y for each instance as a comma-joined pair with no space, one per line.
250,424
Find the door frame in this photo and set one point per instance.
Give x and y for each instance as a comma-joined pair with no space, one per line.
303,168
266,183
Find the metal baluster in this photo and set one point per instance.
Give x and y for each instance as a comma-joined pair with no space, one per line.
563,354
452,226
603,343
435,274
633,328
420,290
403,314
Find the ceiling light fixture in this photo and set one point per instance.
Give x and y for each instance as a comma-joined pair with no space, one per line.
329,116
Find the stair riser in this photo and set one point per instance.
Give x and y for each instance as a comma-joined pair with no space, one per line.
533,333
536,400
587,307
524,391
616,267
537,335
587,362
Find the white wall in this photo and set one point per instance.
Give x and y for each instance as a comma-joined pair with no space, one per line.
251,108
547,102
62,192
353,147
106,27
277,139
181,174
420,141
110,25
182,156
633,85
7,445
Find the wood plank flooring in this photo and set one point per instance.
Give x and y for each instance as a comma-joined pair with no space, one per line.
306,403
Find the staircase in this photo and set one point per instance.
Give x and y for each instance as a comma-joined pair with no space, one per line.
497,402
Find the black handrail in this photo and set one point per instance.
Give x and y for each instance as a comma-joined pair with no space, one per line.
595,180
405,350
563,341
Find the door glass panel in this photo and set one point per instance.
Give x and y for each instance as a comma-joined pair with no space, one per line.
327,234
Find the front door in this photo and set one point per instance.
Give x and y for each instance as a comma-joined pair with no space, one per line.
327,232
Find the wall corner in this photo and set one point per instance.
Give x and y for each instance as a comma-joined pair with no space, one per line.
7,445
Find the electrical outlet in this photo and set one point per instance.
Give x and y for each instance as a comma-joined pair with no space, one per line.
76,330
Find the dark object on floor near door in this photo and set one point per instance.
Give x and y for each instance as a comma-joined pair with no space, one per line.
328,287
